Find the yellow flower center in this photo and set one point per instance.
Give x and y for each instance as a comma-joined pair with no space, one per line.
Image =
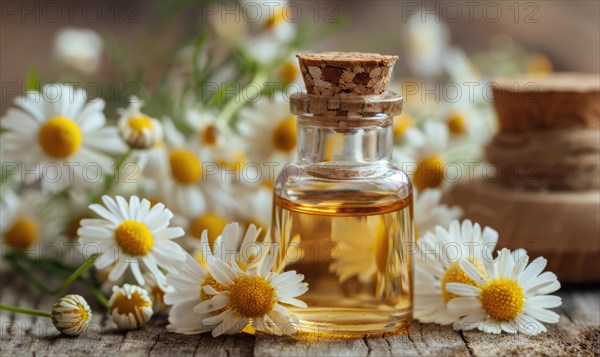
235,163
132,305
381,246
289,72
185,166
134,238
60,137
539,65
212,222
275,18
252,296
209,135
401,124
284,136
503,299
454,274
22,234
139,123
457,123
429,173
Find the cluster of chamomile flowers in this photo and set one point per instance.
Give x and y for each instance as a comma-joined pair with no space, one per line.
458,281
228,286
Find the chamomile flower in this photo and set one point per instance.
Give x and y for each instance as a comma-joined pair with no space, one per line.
188,284
270,131
427,151
181,176
402,124
233,246
130,307
428,40
437,263
156,292
59,135
430,212
509,295
71,315
79,48
26,221
132,233
137,129
204,122
211,222
271,30
252,296
363,248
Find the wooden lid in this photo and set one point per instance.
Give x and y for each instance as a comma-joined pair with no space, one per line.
557,101
346,73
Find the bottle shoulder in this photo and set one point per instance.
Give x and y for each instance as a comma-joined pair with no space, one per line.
346,185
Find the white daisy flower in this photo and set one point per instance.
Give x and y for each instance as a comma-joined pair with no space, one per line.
429,212
428,40
361,248
137,129
188,284
426,159
156,292
270,131
71,315
132,233
79,48
253,296
211,222
256,205
437,263
271,31
181,173
60,136
130,307
402,125
27,222
508,296
233,246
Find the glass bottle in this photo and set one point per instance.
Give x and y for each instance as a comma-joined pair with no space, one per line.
342,216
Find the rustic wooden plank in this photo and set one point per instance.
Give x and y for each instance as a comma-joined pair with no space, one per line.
578,332
564,338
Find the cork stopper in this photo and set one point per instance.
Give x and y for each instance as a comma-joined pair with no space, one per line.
346,73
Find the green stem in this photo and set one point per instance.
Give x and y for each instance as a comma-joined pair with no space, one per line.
43,287
85,266
25,311
110,179
99,295
236,103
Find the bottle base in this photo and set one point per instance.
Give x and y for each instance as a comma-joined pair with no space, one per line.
351,323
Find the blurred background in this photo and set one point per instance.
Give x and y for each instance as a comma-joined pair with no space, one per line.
564,31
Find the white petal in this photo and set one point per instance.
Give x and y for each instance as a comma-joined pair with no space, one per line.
532,271
463,289
213,304
472,272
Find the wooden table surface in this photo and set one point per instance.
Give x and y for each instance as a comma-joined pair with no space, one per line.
578,332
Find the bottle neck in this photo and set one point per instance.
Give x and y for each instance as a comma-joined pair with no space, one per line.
364,142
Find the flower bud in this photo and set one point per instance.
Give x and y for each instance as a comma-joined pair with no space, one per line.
130,307
71,315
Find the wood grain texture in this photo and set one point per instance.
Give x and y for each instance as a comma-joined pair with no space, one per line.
577,333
